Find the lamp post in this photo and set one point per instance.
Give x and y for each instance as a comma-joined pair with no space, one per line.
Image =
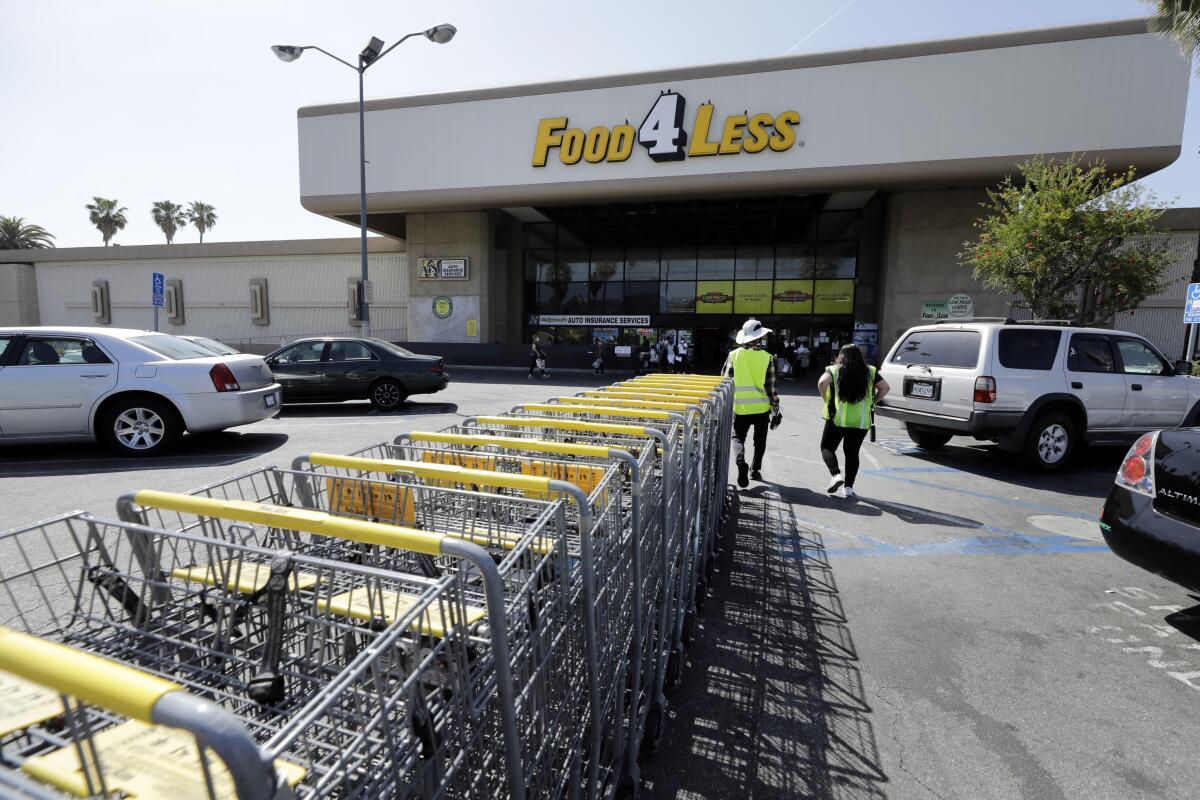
371,54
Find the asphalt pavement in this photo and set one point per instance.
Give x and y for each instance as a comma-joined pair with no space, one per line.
959,631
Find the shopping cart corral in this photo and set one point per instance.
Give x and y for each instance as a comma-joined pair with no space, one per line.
498,608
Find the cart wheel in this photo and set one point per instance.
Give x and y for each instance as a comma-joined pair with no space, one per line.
674,675
656,718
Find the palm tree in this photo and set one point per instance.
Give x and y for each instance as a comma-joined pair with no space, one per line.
168,216
203,216
15,234
107,217
1179,19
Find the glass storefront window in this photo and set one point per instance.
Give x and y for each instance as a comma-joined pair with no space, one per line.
608,265
563,298
539,265
715,264
837,260
641,265
573,264
641,297
613,301
795,262
838,225
678,297
679,264
755,262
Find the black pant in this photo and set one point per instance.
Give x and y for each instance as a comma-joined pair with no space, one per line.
851,440
534,365
741,426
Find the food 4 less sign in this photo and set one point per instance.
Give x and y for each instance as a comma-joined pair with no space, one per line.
664,136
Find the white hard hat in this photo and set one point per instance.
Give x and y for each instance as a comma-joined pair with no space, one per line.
751,331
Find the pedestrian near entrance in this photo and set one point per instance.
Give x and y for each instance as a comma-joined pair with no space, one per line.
755,401
681,355
851,388
537,360
803,360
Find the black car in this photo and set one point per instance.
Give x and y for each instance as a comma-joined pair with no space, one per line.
1152,515
331,368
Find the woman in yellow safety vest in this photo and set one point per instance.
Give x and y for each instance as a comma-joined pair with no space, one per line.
850,388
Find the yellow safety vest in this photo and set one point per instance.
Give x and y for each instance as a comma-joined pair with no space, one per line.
849,415
750,380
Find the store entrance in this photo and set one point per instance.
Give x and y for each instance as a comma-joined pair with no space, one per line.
710,347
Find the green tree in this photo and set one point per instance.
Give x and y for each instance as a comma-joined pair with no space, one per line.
107,217
169,217
16,234
1180,20
1072,241
203,216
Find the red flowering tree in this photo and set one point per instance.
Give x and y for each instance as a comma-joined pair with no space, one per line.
1070,241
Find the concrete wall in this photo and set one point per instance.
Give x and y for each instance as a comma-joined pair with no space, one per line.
307,294
925,232
18,295
460,234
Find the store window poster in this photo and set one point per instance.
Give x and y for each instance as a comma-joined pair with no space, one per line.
833,297
714,297
752,297
792,297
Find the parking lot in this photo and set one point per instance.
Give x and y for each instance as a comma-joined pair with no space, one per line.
959,631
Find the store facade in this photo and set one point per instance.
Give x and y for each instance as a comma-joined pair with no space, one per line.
829,195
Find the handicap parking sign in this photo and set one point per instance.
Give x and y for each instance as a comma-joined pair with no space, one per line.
1191,306
157,287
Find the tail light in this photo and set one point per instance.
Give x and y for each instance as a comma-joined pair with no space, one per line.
1137,470
436,369
223,380
985,389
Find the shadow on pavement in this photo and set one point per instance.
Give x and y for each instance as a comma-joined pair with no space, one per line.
772,703
194,450
363,409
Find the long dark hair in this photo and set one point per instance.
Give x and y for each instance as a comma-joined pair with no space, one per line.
852,374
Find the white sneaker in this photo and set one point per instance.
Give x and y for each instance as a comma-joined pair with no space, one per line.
835,483
847,492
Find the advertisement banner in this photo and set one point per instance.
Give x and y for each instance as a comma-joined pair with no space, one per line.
833,297
792,297
588,320
932,310
714,297
752,297
451,269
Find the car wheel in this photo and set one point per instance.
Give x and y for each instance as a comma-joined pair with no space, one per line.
141,426
926,439
1050,442
387,395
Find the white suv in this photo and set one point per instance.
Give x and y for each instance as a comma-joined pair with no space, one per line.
1038,390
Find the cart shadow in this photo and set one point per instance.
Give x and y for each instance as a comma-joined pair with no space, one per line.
410,408
773,703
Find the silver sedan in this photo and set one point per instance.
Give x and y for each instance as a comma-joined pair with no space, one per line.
136,391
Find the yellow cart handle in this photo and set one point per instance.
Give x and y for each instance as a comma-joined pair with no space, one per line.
566,425
508,443
654,388
601,399
698,380
601,409
441,472
93,679
296,519
648,394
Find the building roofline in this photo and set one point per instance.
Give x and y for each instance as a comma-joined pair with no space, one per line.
1033,36
161,252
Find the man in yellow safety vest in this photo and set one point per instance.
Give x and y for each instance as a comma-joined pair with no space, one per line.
755,400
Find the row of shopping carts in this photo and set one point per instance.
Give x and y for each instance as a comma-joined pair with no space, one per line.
495,609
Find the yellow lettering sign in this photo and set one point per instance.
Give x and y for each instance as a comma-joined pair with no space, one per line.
547,137
701,146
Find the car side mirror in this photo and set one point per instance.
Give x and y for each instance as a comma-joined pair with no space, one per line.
271,361
1183,367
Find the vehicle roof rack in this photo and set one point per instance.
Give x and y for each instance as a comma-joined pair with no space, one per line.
1046,322
957,320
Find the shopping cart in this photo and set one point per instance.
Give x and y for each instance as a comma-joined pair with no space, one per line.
597,545
354,681
582,464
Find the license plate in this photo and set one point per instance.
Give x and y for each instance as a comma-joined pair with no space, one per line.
270,400
920,389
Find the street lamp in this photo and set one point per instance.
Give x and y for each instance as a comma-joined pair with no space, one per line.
371,54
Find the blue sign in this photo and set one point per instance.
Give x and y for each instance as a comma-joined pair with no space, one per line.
158,290
1191,306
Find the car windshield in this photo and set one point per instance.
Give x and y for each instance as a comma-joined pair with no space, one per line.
395,349
172,347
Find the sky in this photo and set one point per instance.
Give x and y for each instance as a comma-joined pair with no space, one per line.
145,100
